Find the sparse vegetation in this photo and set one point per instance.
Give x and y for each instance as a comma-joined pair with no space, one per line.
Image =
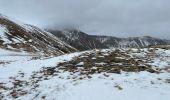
115,62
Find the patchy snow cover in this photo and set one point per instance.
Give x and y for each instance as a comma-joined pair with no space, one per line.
3,36
9,18
15,35
27,65
4,52
81,63
2,30
68,86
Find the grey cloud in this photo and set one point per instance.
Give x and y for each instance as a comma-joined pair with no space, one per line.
106,17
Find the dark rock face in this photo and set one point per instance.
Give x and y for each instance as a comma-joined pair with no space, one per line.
83,41
23,37
78,39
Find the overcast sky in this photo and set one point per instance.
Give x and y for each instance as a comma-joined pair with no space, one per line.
121,18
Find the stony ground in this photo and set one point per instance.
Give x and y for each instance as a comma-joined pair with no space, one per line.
127,70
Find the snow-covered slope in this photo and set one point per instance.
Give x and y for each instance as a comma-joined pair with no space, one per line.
17,36
109,74
83,41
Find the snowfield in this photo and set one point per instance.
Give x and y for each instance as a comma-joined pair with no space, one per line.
25,76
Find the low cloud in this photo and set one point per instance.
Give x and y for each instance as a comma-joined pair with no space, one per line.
106,17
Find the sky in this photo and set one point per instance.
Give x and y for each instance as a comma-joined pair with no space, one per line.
120,18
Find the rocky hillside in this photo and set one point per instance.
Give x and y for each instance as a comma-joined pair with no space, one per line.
83,41
17,36
78,39
131,41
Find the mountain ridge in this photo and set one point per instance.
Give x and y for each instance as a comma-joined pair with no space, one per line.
18,36
76,38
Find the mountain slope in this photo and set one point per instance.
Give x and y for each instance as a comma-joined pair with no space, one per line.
83,41
130,42
78,39
22,37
